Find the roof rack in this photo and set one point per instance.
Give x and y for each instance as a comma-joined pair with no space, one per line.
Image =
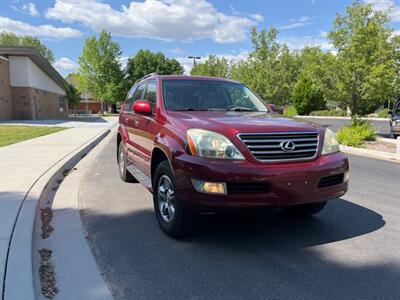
146,76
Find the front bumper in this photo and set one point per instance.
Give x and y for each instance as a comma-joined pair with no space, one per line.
289,183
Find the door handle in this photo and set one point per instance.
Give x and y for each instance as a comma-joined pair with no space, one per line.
136,123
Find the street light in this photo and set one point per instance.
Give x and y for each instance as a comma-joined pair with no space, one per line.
194,59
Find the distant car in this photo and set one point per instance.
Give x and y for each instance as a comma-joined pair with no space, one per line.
203,144
395,121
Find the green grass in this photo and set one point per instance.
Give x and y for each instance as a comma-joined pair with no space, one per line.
11,134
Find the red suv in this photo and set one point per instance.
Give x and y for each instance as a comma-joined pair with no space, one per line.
203,144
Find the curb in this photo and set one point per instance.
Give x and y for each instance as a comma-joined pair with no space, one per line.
68,238
371,153
340,118
18,283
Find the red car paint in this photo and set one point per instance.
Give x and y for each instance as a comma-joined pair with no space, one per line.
290,183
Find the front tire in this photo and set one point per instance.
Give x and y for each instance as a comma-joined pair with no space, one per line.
122,163
305,210
171,216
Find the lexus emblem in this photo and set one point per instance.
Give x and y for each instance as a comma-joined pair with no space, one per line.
287,146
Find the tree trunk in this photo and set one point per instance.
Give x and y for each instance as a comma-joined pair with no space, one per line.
113,108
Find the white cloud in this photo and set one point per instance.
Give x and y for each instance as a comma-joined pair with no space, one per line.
63,64
299,42
31,9
123,60
257,17
296,23
388,6
182,20
49,31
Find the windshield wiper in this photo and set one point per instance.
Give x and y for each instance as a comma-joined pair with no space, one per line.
239,108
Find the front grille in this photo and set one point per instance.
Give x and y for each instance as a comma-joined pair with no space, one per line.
270,147
248,187
330,181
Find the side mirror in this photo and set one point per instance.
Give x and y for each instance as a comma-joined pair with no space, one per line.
142,107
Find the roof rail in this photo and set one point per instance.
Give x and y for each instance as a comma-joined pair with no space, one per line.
146,76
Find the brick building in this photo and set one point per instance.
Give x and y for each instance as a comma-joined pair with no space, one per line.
30,88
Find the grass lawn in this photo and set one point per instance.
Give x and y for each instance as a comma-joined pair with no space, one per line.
10,134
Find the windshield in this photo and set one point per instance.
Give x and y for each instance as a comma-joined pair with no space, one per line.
206,95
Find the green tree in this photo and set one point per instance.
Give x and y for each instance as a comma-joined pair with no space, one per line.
213,66
12,39
73,96
271,69
100,70
146,62
319,67
365,64
307,97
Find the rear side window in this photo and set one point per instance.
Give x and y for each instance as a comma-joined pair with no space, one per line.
151,92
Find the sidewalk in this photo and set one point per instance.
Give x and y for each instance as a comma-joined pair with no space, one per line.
22,166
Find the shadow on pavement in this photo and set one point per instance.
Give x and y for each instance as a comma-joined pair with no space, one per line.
249,256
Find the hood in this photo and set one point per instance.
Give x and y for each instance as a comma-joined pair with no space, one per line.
240,122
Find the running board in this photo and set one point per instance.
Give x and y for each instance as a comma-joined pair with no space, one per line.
140,176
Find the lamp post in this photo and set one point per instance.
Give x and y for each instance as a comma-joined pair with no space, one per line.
194,59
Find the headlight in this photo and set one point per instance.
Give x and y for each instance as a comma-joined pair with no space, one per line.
206,143
331,144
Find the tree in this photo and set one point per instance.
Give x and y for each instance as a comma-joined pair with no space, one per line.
100,70
213,66
146,62
319,67
365,64
307,97
73,96
11,39
271,69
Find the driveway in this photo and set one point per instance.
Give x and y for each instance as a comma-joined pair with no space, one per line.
348,251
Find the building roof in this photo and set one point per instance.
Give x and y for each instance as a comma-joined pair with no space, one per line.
35,56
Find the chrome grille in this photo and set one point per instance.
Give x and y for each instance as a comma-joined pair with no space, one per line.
272,146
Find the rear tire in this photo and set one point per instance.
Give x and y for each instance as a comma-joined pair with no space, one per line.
122,163
305,210
171,216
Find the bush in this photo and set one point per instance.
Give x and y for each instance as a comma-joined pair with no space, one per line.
290,111
383,113
330,113
356,133
307,97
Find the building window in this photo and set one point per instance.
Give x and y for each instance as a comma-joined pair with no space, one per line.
61,105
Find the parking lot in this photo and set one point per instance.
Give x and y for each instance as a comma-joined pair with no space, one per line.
348,251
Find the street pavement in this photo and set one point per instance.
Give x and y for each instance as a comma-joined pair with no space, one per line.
348,251
381,126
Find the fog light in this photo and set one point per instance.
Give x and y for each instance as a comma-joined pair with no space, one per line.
346,177
209,187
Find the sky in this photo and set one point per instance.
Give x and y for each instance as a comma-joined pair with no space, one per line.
178,28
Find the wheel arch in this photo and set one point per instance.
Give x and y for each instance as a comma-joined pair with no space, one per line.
157,156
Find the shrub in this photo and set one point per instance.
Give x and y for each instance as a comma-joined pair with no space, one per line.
383,113
355,133
290,111
331,113
307,97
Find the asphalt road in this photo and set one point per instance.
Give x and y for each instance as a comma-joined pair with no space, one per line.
381,126
351,250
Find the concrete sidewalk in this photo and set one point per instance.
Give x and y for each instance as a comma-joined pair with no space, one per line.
22,166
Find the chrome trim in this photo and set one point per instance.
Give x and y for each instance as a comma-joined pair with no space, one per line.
317,139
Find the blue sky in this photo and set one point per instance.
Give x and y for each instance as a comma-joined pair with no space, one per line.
178,28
